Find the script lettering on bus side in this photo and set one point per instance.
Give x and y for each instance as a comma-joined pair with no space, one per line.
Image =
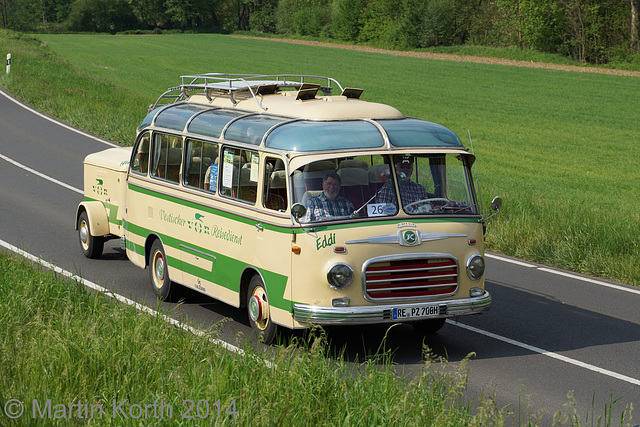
198,225
325,241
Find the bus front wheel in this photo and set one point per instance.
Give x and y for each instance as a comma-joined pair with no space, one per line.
258,308
159,274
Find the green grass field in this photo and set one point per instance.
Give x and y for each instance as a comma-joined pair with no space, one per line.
558,146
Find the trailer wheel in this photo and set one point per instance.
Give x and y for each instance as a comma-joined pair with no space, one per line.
91,246
258,308
159,274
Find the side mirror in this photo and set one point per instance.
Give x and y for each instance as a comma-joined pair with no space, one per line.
496,203
298,211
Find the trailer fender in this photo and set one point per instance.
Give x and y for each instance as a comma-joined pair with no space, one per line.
98,217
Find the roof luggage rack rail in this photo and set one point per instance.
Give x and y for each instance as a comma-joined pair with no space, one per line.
256,84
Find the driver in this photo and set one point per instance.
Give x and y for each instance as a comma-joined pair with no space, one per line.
410,191
328,203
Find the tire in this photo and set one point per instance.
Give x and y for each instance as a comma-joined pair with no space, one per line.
429,326
159,274
91,246
258,310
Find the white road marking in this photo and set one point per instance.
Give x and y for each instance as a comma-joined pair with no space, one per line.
41,175
589,280
566,274
59,123
547,353
509,260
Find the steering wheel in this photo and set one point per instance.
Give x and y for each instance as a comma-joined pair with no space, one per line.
423,201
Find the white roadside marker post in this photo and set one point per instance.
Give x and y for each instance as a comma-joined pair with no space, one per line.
8,63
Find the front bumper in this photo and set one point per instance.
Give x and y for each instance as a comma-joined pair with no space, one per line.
304,313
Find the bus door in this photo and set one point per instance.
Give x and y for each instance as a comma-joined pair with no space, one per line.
273,238
199,177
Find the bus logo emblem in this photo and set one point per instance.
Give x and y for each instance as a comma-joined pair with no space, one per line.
409,238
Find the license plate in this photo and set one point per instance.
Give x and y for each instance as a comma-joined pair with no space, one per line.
410,312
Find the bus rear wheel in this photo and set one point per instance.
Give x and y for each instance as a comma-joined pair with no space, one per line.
92,246
159,274
258,309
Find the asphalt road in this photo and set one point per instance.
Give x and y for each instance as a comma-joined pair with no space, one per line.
549,332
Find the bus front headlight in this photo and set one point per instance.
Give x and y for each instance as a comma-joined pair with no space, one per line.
340,275
475,267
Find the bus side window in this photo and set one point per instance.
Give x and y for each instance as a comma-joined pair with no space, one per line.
140,161
199,159
275,185
167,157
239,174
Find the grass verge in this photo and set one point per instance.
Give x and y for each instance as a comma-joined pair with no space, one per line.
70,355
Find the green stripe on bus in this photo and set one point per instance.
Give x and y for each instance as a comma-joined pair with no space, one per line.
113,210
226,271
208,209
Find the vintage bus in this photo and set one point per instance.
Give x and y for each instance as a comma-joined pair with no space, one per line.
305,206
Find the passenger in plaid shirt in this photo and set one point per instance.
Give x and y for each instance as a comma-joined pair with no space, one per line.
328,203
409,191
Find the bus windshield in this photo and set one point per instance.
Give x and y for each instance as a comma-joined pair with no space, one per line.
368,187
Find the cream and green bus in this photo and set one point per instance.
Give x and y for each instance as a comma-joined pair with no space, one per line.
292,197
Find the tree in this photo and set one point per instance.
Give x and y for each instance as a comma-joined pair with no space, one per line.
634,27
346,19
430,23
542,25
383,23
150,13
3,14
101,16
263,16
303,17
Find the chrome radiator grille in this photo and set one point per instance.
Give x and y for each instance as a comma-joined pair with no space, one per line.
417,277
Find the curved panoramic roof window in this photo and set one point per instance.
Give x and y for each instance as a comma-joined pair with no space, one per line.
419,133
148,119
319,136
211,123
176,117
251,129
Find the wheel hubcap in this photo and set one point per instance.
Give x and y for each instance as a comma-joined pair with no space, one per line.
84,233
159,270
255,309
259,308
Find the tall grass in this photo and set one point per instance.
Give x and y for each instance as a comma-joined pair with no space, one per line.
556,145
95,360
72,356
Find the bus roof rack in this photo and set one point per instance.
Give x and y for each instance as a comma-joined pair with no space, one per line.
256,84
